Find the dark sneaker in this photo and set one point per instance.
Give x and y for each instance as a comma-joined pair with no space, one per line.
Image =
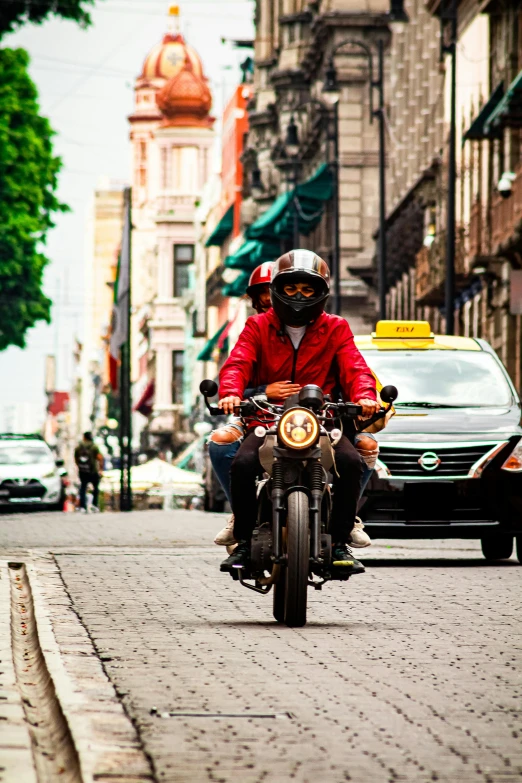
240,558
342,557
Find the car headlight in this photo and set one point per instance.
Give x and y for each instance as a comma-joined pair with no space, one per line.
49,474
514,461
298,429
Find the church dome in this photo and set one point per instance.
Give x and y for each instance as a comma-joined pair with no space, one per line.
185,100
173,82
169,57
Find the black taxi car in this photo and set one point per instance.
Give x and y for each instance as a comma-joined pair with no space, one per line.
450,462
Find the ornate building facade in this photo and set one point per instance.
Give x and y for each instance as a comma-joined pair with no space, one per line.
172,134
294,42
488,261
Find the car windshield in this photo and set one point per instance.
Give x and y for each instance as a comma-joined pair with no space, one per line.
442,378
24,455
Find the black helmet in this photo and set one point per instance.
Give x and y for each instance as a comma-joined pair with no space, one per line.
299,266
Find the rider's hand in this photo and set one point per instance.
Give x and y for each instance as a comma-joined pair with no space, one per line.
227,404
281,390
369,407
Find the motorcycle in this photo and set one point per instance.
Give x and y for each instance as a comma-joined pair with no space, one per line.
291,547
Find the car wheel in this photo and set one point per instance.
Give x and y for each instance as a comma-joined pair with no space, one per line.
519,549
498,548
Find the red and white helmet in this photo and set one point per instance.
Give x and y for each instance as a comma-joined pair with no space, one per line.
262,275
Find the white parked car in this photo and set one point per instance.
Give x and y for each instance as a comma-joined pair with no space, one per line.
29,473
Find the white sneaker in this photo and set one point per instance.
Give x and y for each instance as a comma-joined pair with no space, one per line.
359,539
95,510
225,537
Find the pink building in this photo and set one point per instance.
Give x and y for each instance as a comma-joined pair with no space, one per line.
172,134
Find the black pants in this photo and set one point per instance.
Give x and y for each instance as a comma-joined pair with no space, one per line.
85,479
246,467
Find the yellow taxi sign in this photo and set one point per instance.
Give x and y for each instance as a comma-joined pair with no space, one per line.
403,330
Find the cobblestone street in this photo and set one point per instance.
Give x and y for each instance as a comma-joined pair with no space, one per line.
410,672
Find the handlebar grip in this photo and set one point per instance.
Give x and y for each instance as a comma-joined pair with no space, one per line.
376,416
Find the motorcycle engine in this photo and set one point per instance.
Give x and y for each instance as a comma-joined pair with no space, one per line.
262,548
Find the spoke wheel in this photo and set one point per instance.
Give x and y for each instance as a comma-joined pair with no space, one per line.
498,548
298,562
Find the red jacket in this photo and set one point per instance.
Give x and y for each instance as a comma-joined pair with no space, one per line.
327,356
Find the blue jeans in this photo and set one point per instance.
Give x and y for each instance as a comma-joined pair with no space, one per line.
222,454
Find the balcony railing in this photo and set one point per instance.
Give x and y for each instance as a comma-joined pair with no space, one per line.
170,205
506,215
430,270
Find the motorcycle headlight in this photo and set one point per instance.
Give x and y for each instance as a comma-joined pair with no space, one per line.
298,429
514,461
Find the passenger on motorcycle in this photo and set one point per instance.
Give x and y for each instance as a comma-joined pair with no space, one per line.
225,441
297,340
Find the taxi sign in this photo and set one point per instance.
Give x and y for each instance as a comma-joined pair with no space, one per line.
403,330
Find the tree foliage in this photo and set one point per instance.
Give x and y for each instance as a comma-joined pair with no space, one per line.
14,13
28,183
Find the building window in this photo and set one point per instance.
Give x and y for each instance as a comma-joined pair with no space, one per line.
177,377
184,165
183,260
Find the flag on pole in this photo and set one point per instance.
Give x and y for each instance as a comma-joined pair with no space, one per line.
120,310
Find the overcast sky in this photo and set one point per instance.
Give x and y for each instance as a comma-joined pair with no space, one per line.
85,80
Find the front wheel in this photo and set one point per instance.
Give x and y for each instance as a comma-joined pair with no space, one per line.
498,548
298,563
279,596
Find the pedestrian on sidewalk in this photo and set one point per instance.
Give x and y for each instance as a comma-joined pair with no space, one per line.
89,461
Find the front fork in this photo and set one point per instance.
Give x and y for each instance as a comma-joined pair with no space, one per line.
316,494
278,493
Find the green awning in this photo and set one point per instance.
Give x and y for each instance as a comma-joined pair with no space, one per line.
205,355
223,228
508,111
476,132
265,251
264,225
320,185
277,222
252,254
242,259
238,287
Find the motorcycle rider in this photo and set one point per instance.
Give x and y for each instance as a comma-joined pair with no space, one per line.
224,442
297,339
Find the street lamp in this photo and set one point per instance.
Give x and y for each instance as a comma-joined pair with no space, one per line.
256,183
449,14
292,149
331,92
292,139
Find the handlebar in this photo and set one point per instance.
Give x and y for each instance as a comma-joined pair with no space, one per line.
349,409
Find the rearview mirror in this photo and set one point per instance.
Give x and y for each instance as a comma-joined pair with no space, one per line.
59,463
208,388
389,394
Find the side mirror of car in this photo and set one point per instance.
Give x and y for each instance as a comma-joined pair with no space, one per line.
59,463
389,394
208,388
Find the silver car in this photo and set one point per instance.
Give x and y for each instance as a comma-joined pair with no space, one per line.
29,475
